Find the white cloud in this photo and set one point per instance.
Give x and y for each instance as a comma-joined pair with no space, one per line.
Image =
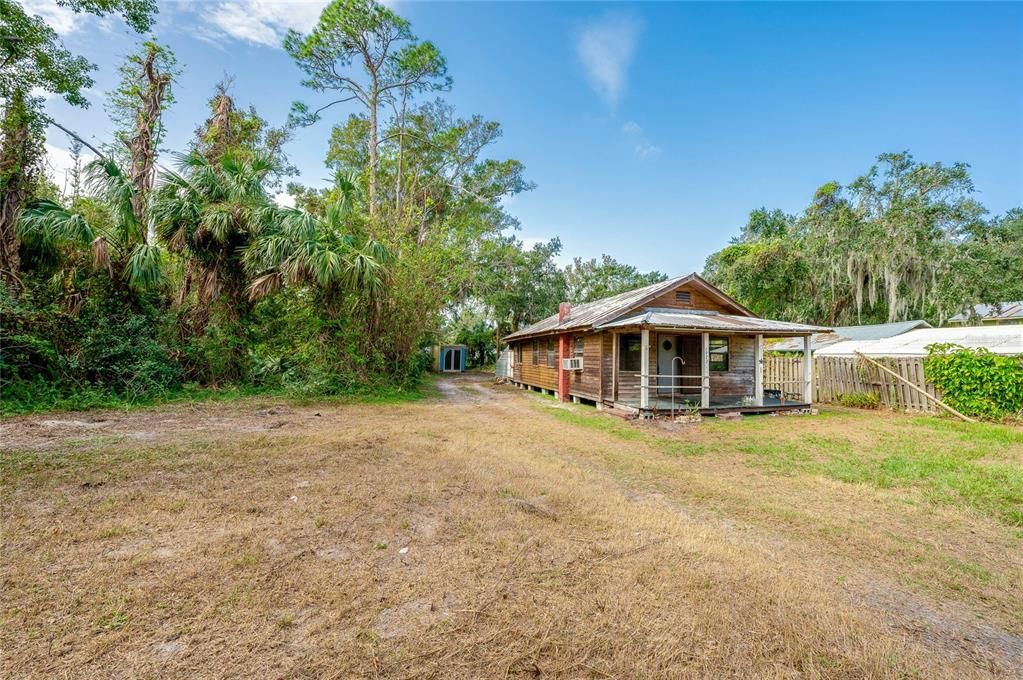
59,165
647,150
605,46
285,200
264,22
60,19
641,145
632,128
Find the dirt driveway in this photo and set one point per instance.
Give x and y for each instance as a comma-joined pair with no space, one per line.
484,532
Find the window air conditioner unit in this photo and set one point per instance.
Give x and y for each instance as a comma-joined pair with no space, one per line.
573,364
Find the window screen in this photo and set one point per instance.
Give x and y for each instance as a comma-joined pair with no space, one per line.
719,354
552,353
577,349
536,352
630,352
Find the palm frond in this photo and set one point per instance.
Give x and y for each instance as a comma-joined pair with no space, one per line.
264,286
144,269
101,255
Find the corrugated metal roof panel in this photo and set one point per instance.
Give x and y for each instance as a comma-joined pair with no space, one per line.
588,313
996,312
998,339
709,322
867,332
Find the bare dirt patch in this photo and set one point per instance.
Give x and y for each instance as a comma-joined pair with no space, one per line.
475,535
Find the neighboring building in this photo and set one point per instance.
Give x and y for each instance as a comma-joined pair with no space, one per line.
875,331
998,314
503,366
997,339
680,341
449,358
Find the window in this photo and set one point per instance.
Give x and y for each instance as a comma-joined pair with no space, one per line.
536,352
577,349
552,353
518,353
630,352
683,296
719,354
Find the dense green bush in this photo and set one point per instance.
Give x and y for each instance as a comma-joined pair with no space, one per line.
105,348
860,400
118,348
975,381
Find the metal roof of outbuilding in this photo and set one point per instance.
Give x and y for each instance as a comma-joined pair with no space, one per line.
998,339
1001,311
875,331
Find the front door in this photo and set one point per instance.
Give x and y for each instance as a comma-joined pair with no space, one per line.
679,355
667,350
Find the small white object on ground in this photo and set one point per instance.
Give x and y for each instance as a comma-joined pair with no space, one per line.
403,551
294,499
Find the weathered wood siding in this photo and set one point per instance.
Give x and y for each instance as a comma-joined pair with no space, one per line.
607,366
537,375
629,381
738,381
586,383
697,300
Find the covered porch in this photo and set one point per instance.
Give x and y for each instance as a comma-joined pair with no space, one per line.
661,365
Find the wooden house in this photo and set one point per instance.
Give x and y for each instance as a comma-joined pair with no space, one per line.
675,344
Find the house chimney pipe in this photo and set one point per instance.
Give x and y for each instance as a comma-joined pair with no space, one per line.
564,311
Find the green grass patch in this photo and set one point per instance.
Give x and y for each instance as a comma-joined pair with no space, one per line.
620,429
92,398
949,463
945,462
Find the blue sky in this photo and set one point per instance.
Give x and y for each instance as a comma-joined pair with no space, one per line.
651,130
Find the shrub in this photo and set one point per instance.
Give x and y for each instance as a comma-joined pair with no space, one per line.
975,381
860,400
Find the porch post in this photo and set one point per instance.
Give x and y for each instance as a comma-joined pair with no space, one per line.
807,370
564,347
644,370
614,366
758,371
705,371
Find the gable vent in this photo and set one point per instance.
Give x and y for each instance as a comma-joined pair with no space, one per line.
683,296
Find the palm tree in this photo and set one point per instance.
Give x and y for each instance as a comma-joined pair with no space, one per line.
322,252
117,242
208,213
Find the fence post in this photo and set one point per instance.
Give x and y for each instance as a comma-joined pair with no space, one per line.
807,370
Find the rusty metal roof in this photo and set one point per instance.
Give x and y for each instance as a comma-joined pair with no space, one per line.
592,314
1001,311
730,323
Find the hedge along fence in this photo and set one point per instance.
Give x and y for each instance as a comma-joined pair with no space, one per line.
975,382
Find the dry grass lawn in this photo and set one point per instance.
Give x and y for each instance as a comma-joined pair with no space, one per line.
487,532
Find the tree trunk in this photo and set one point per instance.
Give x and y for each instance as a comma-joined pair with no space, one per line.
401,155
218,127
19,155
373,103
142,146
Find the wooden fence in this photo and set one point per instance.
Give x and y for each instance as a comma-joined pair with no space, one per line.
784,374
833,376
